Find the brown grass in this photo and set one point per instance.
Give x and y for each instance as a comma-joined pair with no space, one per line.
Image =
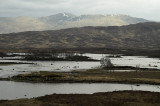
91,76
120,98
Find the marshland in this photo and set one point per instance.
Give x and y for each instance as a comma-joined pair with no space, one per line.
77,74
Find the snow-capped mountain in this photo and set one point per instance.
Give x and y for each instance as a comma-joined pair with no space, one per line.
64,20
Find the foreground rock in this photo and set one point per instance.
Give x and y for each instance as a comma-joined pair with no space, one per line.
120,98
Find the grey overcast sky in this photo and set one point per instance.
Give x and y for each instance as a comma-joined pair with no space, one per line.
148,9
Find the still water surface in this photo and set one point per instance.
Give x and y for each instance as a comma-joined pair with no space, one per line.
61,66
14,90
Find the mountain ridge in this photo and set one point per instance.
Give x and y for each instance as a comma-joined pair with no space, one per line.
62,21
136,36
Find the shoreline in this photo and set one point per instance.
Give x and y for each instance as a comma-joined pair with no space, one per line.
116,98
147,76
12,63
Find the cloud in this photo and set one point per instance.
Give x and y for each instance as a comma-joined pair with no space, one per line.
139,8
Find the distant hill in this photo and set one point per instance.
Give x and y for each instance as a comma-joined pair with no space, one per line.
63,20
135,36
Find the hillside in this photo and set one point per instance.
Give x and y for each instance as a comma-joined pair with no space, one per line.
63,20
136,36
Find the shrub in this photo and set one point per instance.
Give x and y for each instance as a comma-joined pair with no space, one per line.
106,62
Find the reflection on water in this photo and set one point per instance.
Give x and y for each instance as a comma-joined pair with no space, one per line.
14,90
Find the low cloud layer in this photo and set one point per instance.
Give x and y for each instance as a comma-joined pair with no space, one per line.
148,9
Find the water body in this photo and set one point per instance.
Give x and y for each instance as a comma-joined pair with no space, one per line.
66,66
56,66
14,90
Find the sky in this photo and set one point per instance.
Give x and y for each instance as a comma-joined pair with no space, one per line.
148,9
